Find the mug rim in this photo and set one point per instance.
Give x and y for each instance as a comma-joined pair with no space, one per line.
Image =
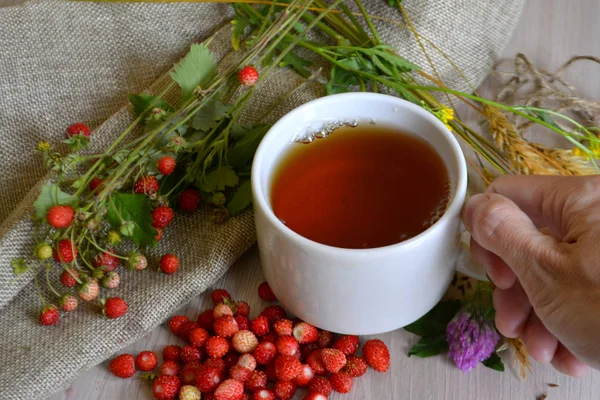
453,208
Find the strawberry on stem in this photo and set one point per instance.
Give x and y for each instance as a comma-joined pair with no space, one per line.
65,252
162,217
189,200
60,217
248,76
146,185
49,315
169,263
166,165
79,128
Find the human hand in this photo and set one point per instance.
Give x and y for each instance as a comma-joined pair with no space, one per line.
538,238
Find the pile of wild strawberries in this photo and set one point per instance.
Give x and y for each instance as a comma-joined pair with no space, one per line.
230,357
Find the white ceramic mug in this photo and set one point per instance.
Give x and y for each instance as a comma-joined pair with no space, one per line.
358,291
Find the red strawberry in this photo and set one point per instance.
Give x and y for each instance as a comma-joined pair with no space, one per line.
171,353
206,320
198,337
263,394
265,353
222,310
217,363
333,359
123,366
284,390
96,183
283,327
189,354
68,279
260,325
186,329
287,346
88,289
217,347
355,366
341,382
320,385
177,322
146,185
347,344
306,349
269,337
242,322
188,374
60,217
114,307
305,376
244,342
162,217
257,381
271,372
169,263
230,390
49,315
315,361
230,359
226,326
218,296
169,368
265,292
247,361
315,396
65,252
240,373
68,302
287,368
166,165
107,261
146,361
273,313
79,128
248,76
111,280
166,387
189,392
242,308
193,364
189,200
325,339
207,379
142,263
306,333
377,355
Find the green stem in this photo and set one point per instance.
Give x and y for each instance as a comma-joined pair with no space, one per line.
367,18
48,268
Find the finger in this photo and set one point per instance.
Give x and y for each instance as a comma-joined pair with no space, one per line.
512,310
500,273
540,343
565,362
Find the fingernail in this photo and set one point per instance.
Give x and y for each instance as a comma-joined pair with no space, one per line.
469,208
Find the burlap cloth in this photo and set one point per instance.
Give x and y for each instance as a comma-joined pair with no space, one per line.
63,62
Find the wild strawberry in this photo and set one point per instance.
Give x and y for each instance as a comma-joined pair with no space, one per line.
377,355
162,217
305,376
273,313
65,252
206,320
259,325
247,361
355,366
49,315
111,280
248,76
43,251
257,381
88,289
79,128
242,309
166,165
240,373
226,326
333,359
306,349
114,307
217,347
230,389
189,200
139,262
218,296
188,373
189,392
244,342
169,263
166,387
287,368
321,385
198,337
271,373
146,361
287,346
230,359
96,184
107,261
263,394
122,366
315,362
171,353
222,310
177,322
169,368
146,185
306,333
186,329
315,396
284,390
67,277
265,352
341,382
325,339
193,364
207,379
60,217
347,344
265,292
217,363
243,322
189,354
159,233
283,327
68,302
269,337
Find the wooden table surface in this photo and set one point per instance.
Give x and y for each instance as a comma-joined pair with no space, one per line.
549,32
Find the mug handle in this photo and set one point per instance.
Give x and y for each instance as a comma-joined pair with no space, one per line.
465,263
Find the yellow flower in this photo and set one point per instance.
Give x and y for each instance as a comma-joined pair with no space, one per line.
578,152
446,114
43,146
448,126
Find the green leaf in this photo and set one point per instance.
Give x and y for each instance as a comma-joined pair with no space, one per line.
241,199
394,3
197,68
545,117
340,81
209,116
77,142
242,151
434,323
429,347
51,196
135,208
141,102
239,24
218,179
388,54
19,266
494,362
297,63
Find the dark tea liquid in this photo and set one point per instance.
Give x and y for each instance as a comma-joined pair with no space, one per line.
363,187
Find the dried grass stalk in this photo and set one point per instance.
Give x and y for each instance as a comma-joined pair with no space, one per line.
520,356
